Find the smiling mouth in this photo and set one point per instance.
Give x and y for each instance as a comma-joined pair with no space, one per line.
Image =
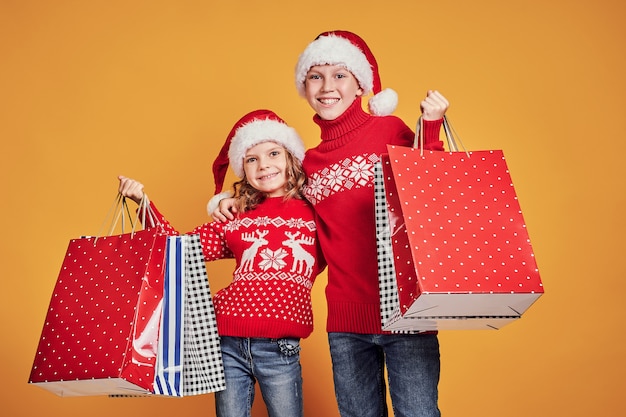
328,101
267,177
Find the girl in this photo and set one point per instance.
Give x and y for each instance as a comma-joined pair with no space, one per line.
266,310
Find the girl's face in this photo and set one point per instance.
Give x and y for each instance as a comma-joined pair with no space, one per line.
265,167
330,90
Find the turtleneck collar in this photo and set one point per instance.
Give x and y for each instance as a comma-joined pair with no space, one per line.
351,119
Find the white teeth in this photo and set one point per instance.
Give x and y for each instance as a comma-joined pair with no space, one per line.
267,176
329,100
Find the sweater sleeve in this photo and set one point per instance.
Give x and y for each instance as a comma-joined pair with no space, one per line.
431,135
406,137
213,239
155,218
212,235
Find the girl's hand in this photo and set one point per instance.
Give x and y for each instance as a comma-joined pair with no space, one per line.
131,188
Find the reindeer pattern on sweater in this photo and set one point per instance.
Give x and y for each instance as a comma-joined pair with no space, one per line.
277,260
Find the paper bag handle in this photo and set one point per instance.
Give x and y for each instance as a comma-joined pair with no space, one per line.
450,136
120,210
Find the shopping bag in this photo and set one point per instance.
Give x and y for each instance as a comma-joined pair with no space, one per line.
189,358
100,332
454,251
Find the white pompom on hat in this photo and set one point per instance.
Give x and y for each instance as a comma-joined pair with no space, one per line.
347,49
255,127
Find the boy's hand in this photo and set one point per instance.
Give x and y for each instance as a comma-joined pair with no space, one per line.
225,210
434,106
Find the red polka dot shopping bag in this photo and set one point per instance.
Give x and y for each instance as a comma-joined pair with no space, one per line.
453,248
101,329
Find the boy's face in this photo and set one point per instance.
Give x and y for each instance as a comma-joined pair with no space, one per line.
330,90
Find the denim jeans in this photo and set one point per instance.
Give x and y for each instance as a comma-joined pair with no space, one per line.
413,368
274,363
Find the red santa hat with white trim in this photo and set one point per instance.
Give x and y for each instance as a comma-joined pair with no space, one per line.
255,127
347,49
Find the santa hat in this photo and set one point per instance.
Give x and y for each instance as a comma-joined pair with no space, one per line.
347,49
255,127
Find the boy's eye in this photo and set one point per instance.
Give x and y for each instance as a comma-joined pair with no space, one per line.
314,77
273,153
250,160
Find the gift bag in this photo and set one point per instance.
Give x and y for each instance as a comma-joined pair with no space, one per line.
189,359
453,248
100,332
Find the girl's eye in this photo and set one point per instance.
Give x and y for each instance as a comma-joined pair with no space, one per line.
314,77
275,153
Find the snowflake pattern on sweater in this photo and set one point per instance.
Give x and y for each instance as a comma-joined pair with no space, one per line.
352,172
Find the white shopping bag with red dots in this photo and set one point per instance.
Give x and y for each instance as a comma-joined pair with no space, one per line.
454,251
101,329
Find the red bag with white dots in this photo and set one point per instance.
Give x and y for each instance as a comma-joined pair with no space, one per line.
454,251
101,330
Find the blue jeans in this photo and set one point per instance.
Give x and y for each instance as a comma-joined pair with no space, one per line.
274,363
413,368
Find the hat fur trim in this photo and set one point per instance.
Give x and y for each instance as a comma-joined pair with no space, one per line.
335,50
214,202
258,131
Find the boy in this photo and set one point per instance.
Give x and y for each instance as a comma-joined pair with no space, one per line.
333,73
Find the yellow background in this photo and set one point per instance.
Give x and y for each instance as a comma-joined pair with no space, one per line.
150,89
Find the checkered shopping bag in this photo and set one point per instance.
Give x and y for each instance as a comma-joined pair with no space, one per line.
388,288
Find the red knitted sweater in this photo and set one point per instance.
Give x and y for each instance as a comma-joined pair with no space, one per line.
340,172
278,258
